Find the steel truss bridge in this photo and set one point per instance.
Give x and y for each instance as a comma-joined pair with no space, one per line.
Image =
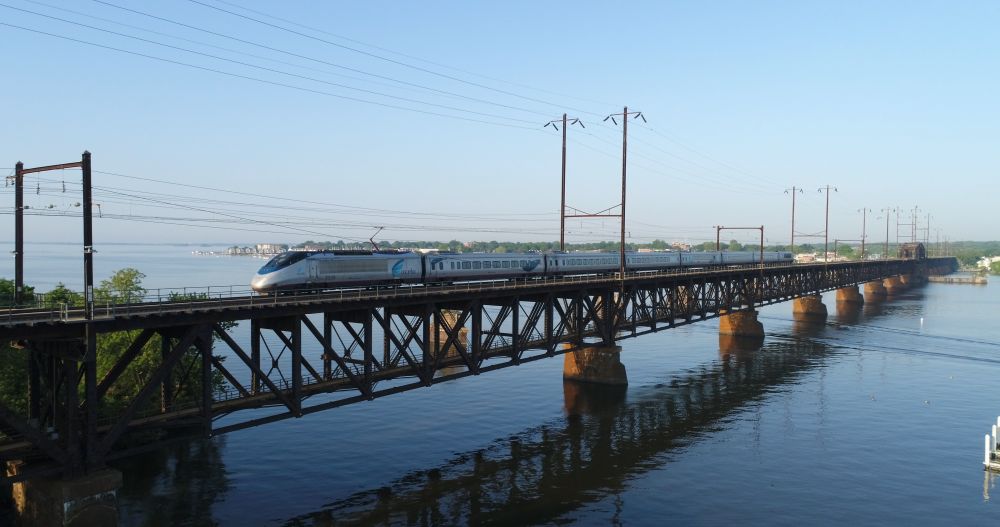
312,352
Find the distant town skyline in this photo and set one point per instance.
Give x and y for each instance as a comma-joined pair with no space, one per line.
253,122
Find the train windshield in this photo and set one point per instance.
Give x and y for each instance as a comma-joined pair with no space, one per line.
283,260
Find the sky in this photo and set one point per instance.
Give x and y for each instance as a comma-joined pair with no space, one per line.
239,121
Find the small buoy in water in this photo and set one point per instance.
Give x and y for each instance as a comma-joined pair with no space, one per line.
927,402
921,321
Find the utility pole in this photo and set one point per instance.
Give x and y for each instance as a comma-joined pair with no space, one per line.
19,173
88,238
562,206
792,192
927,231
18,233
826,229
864,230
624,115
885,248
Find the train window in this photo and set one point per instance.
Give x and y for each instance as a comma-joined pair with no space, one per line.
506,264
524,264
452,264
496,264
466,265
477,265
487,265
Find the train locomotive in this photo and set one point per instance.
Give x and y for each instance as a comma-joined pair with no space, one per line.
337,269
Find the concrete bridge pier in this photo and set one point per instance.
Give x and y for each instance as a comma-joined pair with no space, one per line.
894,285
741,324
849,295
875,291
740,330
809,307
595,364
90,500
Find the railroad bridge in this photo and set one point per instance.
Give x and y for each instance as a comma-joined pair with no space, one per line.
304,353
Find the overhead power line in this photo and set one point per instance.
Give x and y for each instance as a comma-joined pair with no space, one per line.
272,70
380,57
265,81
411,57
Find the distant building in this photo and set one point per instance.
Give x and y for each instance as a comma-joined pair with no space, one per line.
261,249
680,246
986,261
271,248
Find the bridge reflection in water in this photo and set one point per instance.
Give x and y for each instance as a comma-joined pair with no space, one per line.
606,440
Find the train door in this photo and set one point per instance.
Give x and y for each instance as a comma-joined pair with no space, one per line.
313,270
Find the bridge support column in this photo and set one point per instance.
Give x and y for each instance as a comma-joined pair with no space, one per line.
595,364
894,285
741,324
875,290
849,295
90,500
810,307
909,280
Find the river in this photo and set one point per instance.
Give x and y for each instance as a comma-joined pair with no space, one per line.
876,416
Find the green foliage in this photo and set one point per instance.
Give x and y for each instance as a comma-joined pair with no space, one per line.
62,295
124,286
846,251
995,267
14,378
7,292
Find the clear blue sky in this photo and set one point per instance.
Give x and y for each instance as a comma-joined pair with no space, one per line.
894,103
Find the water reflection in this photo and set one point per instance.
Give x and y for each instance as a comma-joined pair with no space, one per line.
808,327
849,313
175,485
735,345
541,475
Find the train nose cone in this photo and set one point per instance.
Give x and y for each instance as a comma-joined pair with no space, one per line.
259,283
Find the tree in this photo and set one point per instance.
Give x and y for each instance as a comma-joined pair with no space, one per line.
7,292
62,295
124,286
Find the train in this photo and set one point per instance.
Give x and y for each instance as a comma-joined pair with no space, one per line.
316,270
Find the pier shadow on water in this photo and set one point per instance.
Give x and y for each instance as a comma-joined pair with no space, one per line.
607,438
174,485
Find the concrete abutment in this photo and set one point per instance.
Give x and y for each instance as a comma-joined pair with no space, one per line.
875,290
809,307
849,295
894,285
595,364
741,324
90,500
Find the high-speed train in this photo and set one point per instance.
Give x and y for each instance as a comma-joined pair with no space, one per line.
328,269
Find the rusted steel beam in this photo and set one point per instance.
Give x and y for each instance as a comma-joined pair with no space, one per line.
47,168
124,361
217,364
312,371
328,351
111,437
403,347
35,436
254,368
